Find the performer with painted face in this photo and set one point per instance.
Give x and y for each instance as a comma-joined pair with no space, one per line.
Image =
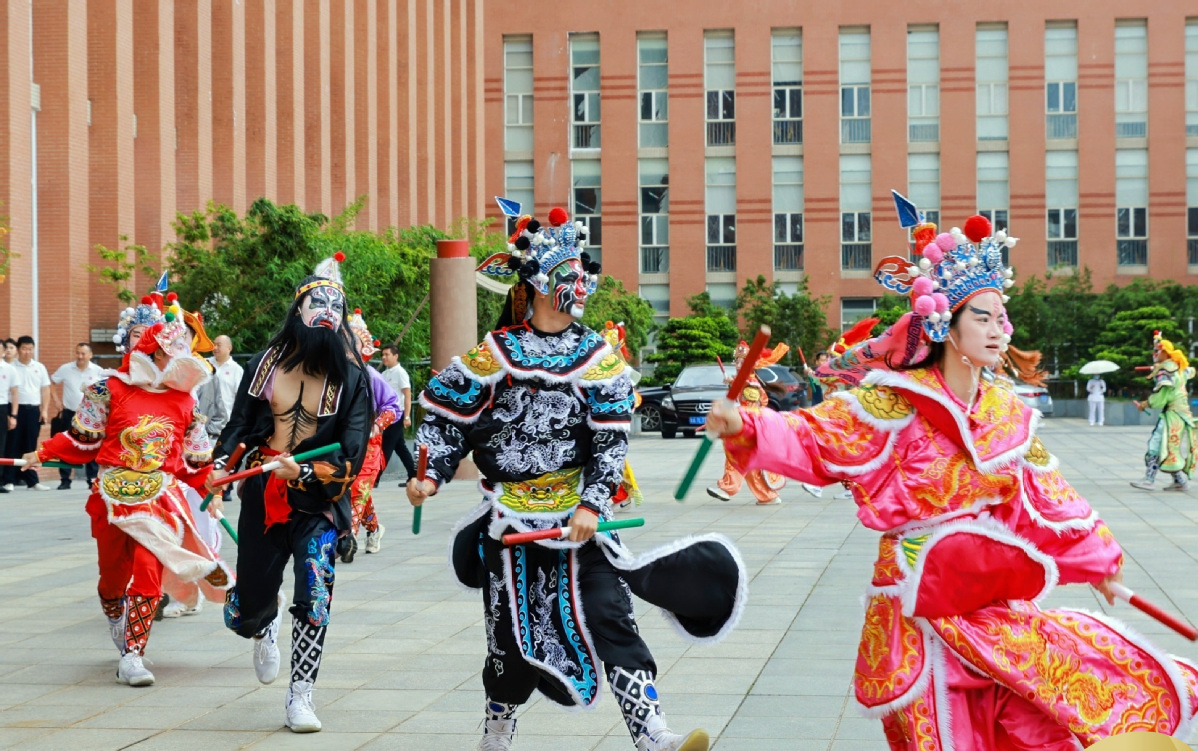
307,389
386,411
140,425
1174,439
545,405
977,525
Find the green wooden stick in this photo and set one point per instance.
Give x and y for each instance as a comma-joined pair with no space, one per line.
228,527
696,464
61,465
416,519
304,456
620,524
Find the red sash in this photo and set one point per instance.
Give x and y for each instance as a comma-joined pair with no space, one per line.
274,497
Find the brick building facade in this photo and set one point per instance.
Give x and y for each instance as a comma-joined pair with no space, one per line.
116,115
712,142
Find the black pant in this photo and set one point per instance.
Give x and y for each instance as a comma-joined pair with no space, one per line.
607,610
393,440
91,469
21,441
308,540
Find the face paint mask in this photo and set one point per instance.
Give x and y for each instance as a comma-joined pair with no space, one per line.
323,307
569,288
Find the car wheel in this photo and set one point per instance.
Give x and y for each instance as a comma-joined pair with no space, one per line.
668,432
650,419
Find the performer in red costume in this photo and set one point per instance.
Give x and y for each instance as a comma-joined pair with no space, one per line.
139,424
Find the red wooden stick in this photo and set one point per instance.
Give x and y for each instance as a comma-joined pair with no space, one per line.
1156,611
421,462
750,363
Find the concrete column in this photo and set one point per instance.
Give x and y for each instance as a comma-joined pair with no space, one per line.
452,310
16,155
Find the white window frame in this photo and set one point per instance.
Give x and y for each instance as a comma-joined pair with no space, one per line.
995,93
787,125
656,222
517,103
721,127
847,323
585,103
592,220
658,98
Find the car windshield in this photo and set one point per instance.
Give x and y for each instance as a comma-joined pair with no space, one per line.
698,376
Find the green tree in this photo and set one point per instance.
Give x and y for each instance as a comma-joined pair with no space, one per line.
757,304
612,302
1126,340
120,267
889,309
685,341
702,307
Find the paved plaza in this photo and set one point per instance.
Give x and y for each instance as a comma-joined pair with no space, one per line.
405,647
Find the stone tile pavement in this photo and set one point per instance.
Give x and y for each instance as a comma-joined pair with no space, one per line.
406,645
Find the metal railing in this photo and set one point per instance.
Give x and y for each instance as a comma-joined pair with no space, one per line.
856,256
788,257
1192,248
655,259
721,133
721,258
788,131
923,132
854,130
1133,253
1062,125
1134,129
1062,253
586,136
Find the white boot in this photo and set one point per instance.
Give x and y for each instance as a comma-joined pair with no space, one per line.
499,728
301,714
637,697
719,493
374,540
266,647
116,628
131,671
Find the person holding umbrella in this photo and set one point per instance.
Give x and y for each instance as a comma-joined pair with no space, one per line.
1095,397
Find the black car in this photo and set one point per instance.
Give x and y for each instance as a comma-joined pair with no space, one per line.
689,400
650,409
784,388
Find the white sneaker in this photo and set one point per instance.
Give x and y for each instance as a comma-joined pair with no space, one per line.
719,493
374,540
664,740
1142,485
41,486
174,609
773,502
117,629
498,735
8,486
1177,487
818,492
132,671
266,651
301,715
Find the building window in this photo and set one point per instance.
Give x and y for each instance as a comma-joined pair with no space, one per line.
517,93
923,186
654,179
854,86
1192,205
1131,201
1060,80
994,192
1061,195
787,70
653,80
1131,79
856,236
1192,77
853,309
991,75
788,213
923,84
584,89
587,204
517,185
721,213
657,295
719,50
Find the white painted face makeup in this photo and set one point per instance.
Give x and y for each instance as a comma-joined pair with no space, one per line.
977,330
324,306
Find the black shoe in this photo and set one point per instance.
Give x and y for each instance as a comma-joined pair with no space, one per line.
64,485
162,603
347,546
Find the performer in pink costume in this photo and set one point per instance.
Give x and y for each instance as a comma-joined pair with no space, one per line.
977,526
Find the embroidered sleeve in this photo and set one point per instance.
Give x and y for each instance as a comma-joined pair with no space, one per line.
197,445
81,442
458,393
822,445
610,403
447,446
602,475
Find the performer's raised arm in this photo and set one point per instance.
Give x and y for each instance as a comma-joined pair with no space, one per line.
80,444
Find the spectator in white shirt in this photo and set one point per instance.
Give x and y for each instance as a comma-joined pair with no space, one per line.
9,400
74,377
33,411
228,372
393,436
1096,396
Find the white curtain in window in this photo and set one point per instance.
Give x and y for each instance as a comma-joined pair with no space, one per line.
1131,50
1131,177
720,60
787,56
788,184
1060,53
923,55
1192,177
1060,171
923,180
854,56
993,180
854,182
721,185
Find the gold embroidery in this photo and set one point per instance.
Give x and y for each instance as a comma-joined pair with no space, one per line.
609,367
954,480
1037,454
552,492
146,444
481,362
883,402
120,484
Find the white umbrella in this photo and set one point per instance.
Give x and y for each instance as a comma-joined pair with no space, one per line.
1098,367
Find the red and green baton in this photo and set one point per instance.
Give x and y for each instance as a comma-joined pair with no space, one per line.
561,533
234,458
273,465
421,471
52,464
737,386
1154,610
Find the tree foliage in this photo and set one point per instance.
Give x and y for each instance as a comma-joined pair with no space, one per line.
612,302
702,307
1126,340
684,341
797,319
120,267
